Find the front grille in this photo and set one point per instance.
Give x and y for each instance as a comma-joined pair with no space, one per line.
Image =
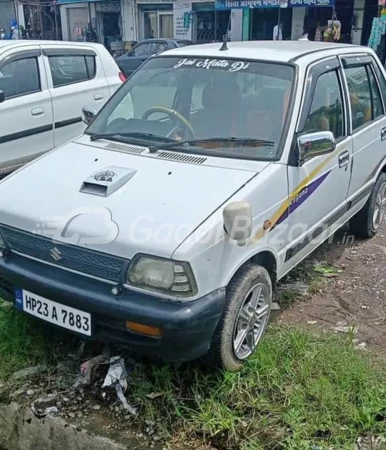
80,259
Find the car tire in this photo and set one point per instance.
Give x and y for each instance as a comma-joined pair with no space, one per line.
247,295
367,221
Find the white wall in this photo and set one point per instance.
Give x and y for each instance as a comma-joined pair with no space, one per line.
237,24
129,20
298,15
359,6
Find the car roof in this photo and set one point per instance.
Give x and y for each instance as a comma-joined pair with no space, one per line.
162,40
9,43
280,51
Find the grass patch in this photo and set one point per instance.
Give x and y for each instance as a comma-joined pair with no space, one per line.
299,391
24,341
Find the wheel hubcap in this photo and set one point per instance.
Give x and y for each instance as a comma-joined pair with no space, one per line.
380,207
251,321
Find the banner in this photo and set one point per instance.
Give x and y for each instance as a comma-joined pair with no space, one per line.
229,4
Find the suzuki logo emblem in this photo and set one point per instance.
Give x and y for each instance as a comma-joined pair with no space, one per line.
55,254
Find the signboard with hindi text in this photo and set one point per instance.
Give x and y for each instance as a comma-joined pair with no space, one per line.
228,4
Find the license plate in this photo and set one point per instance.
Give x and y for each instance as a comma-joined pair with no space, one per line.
53,312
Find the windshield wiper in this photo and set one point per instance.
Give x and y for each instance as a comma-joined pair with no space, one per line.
222,140
133,134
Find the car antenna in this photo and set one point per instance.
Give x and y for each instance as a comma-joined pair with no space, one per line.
225,41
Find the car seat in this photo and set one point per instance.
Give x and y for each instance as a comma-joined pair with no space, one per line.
265,113
220,115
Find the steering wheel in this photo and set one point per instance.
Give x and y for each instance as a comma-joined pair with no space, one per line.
173,115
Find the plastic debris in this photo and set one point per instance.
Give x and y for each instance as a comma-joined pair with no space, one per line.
297,287
154,395
312,322
29,371
44,406
117,377
327,271
361,346
88,369
345,329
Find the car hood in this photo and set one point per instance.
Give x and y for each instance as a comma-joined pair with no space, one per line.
149,205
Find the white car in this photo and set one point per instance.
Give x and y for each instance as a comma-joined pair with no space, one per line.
43,88
205,179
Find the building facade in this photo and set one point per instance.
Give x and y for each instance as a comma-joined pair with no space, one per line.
7,14
204,21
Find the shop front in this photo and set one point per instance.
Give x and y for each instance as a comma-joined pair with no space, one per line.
280,19
201,22
155,19
77,19
7,14
109,23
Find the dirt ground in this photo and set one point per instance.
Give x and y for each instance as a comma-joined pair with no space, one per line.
355,297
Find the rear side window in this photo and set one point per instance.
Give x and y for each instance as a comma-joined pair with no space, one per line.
70,69
361,99
20,77
375,95
381,79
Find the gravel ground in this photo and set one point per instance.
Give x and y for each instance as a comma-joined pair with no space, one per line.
354,300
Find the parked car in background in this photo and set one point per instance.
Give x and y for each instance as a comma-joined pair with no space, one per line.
143,50
43,87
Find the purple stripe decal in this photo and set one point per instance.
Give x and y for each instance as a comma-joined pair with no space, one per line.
302,196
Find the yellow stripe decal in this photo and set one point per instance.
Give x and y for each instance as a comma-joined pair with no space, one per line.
287,202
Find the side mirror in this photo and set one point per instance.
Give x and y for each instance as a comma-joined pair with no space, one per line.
238,221
2,96
88,115
314,144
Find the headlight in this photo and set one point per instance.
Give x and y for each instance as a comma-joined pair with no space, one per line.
162,275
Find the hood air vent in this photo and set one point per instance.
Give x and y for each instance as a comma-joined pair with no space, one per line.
122,148
181,157
106,181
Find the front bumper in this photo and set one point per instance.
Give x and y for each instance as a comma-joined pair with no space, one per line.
187,327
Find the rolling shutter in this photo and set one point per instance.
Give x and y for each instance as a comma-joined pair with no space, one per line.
7,13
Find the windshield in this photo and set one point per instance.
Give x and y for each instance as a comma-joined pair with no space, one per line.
195,98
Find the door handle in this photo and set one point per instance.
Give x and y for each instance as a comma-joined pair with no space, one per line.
344,159
98,97
37,111
383,134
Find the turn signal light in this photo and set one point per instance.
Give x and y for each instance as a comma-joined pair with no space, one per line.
147,330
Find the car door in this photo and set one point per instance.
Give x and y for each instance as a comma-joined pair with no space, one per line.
367,122
76,79
318,187
26,121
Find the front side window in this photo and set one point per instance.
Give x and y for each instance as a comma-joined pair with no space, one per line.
198,98
69,69
20,77
326,112
360,96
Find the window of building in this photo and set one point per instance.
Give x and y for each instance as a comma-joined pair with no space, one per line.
326,112
20,77
69,69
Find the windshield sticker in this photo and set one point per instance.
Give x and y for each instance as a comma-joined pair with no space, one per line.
234,66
